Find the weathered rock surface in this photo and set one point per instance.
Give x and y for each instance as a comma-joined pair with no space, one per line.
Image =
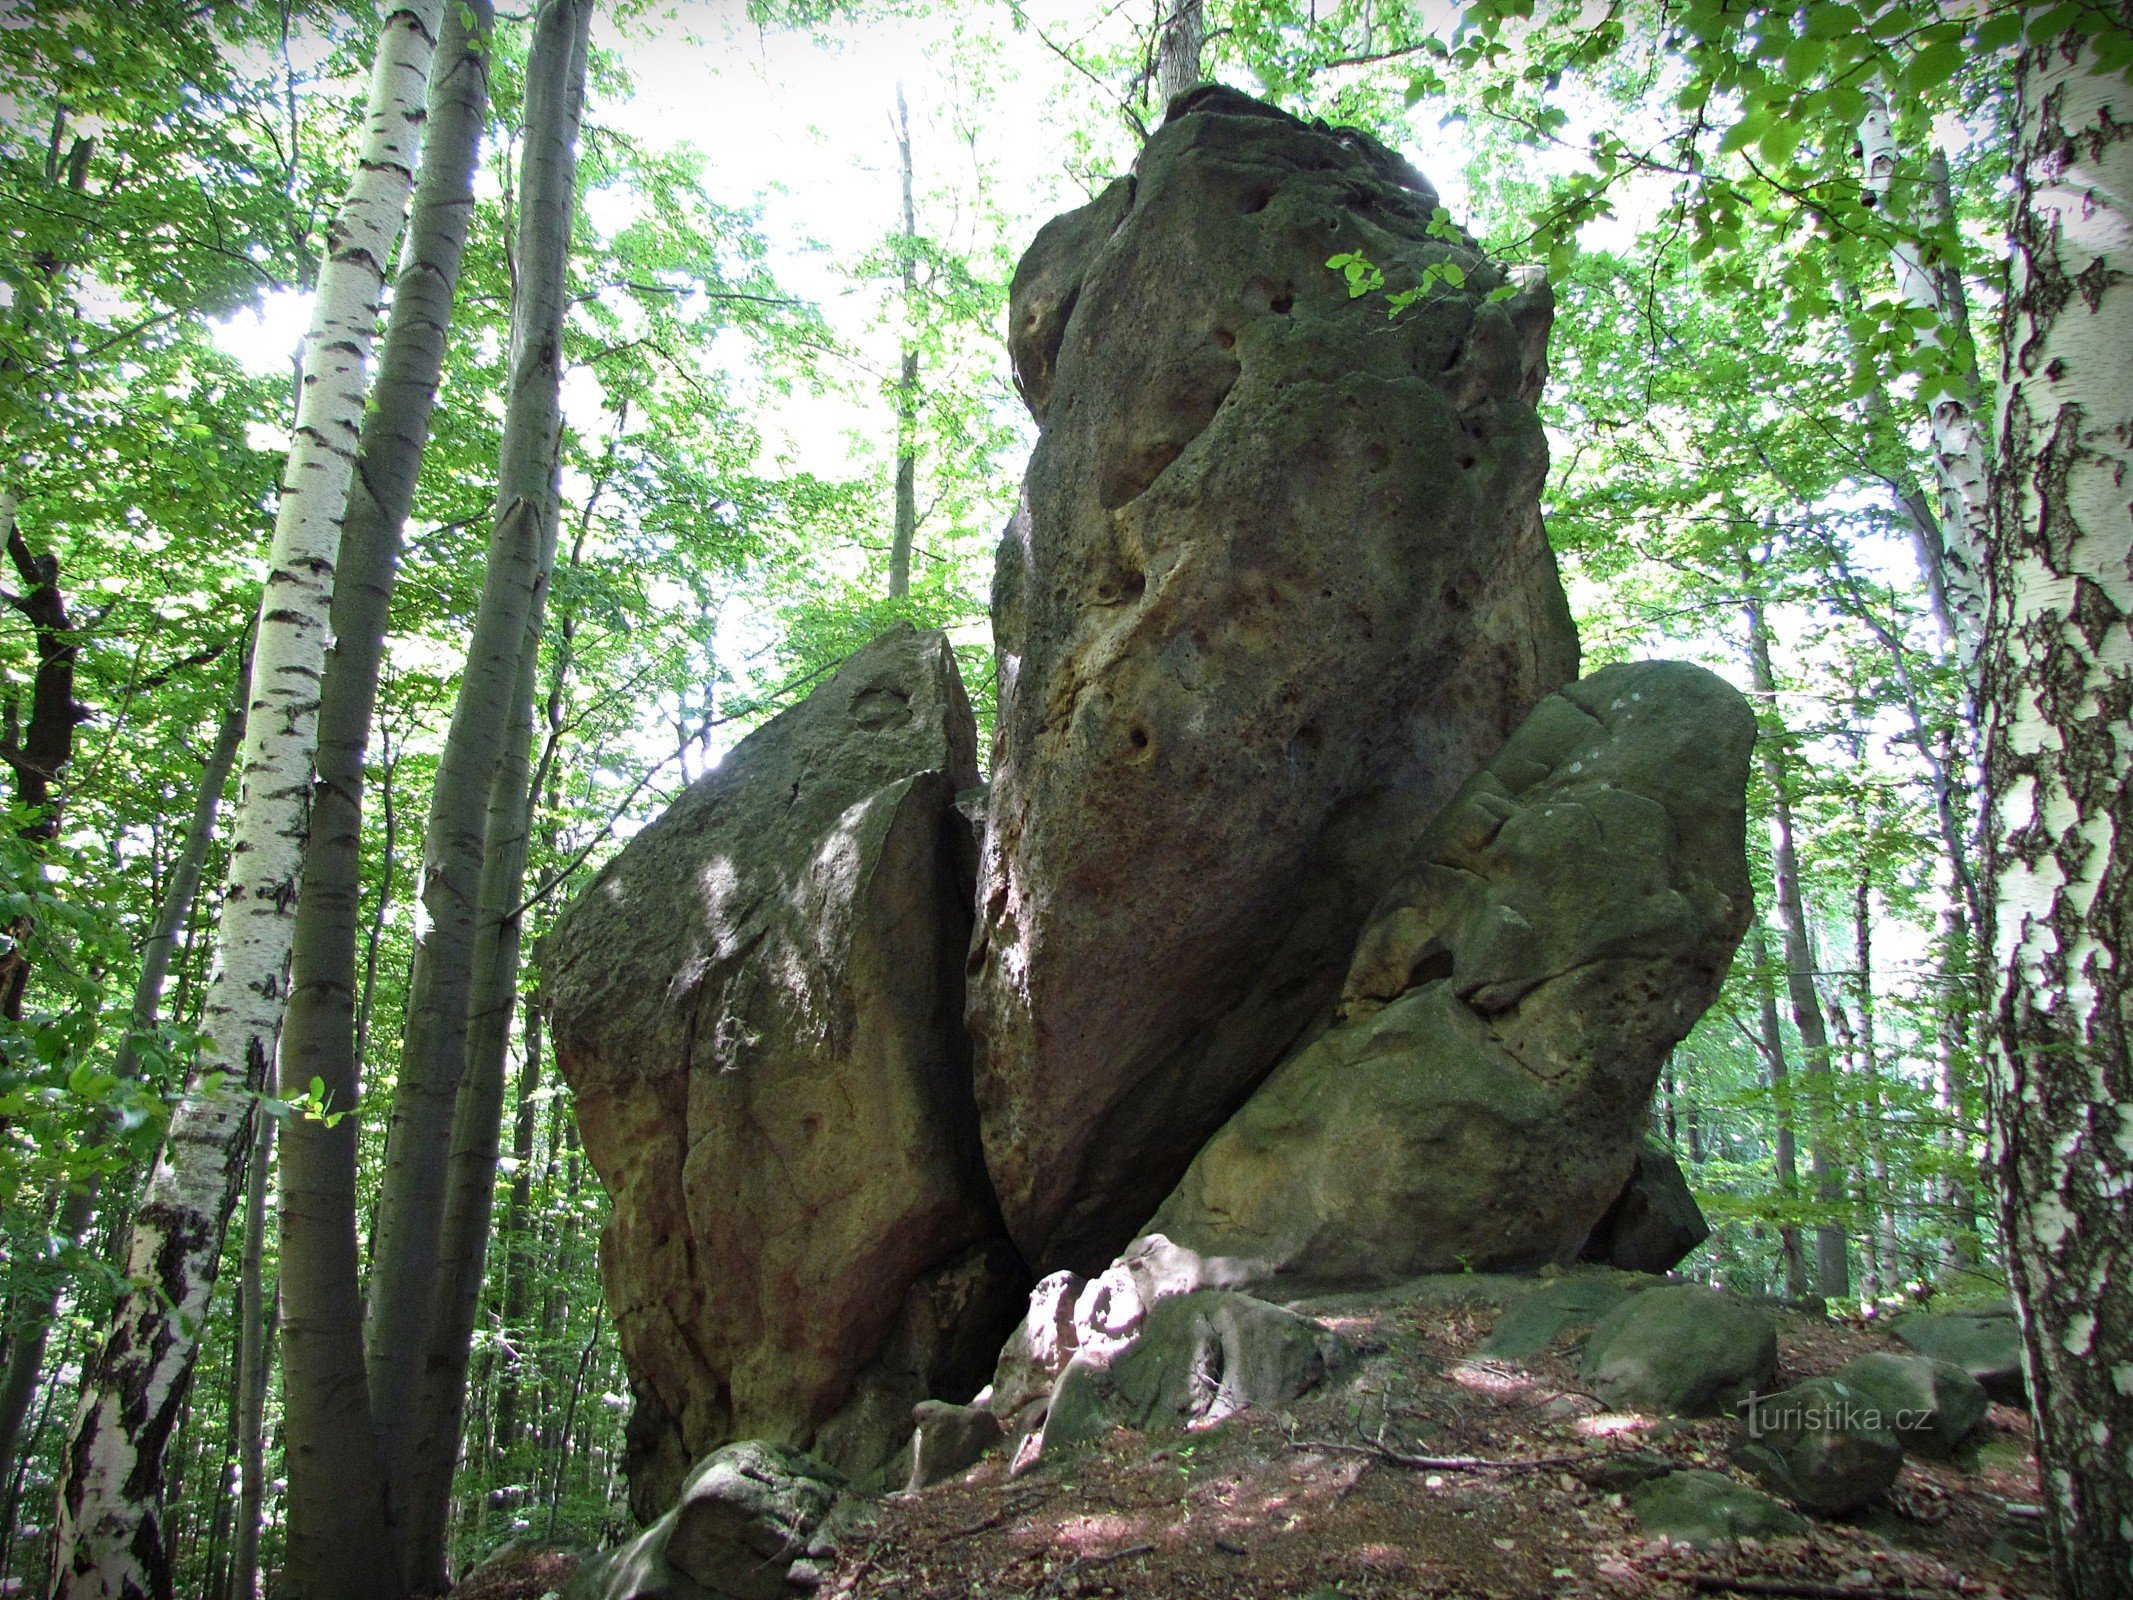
1700,1508
1931,1406
754,1521
1196,1359
1561,925
948,1438
1551,1314
1681,1351
1985,1344
1823,1444
1278,586
758,1006
1654,1222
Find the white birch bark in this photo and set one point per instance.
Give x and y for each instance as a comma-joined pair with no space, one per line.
110,1543
1960,469
2058,697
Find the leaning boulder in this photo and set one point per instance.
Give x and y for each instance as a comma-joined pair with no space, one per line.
758,1005
1654,1222
1277,587
1681,1351
1561,926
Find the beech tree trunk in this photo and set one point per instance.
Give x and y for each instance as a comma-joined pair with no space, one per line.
404,1268
110,1542
907,381
1785,1152
477,1124
25,1356
2058,700
1832,1256
339,1543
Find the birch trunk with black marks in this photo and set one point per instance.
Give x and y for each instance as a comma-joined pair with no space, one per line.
1832,1254
338,1541
1960,466
434,1043
110,1543
2058,698
25,1357
907,380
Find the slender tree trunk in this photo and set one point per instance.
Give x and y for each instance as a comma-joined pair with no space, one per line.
1962,1246
1177,52
1784,1149
517,1268
477,1122
1883,1236
478,1113
2058,696
411,1206
26,1352
907,382
36,753
339,1544
1832,1265
110,1541
255,1319
1959,451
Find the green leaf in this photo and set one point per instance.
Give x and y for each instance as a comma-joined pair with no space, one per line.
1933,66
1832,21
1996,33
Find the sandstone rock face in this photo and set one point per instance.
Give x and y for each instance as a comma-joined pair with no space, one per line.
1278,586
1563,923
758,1006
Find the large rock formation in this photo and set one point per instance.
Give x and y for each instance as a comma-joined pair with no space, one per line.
1565,921
758,1003
1278,586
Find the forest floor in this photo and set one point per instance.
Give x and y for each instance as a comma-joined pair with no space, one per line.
1349,1493
1333,1497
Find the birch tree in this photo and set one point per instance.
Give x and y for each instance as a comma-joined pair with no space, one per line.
1959,447
110,1541
2058,701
